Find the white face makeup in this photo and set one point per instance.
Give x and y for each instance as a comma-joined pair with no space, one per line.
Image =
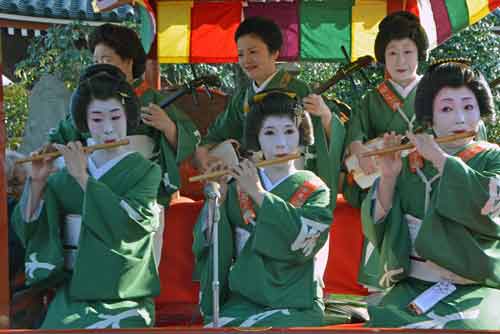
278,137
401,60
455,110
107,121
255,59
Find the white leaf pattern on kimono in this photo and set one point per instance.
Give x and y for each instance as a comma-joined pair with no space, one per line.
369,251
130,211
308,155
310,231
492,206
222,322
252,320
241,237
439,322
197,135
113,320
30,267
167,184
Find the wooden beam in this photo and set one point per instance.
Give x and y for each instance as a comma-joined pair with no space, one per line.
4,23
4,223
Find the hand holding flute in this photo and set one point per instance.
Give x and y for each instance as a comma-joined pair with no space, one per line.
425,144
263,163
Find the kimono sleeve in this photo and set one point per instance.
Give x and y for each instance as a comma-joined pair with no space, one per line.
115,218
389,237
359,124
390,227
284,232
229,124
333,149
44,257
66,132
170,159
474,201
188,136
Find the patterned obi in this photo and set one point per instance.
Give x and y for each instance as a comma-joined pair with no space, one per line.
426,270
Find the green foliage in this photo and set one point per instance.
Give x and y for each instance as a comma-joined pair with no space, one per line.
16,113
177,74
61,51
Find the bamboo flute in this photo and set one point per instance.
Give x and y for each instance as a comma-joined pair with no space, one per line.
443,139
262,163
88,149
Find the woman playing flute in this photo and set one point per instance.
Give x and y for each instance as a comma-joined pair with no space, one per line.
435,220
273,229
166,137
88,229
259,41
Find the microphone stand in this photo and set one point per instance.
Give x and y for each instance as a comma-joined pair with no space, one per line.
212,195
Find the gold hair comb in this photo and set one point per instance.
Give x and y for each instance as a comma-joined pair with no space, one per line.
437,62
260,96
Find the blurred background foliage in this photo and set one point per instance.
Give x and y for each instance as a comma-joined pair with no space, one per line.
62,51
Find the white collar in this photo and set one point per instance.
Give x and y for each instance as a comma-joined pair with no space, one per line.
258,89
405,91
266,182
98,172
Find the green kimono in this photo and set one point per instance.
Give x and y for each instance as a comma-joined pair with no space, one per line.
270,266
456,239
230,125
104,274
372,119
168,158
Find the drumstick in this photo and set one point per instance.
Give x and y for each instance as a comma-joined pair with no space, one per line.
262,163
444,139
88,149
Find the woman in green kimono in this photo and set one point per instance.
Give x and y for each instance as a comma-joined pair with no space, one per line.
88,230
259,41
400,45
164,137
434,218
273,229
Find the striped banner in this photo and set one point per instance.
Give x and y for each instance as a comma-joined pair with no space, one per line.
202,31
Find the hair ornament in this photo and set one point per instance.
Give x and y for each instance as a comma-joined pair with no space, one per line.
457,60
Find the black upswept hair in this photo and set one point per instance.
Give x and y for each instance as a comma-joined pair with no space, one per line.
124,41
276,103
265,29
102,82
454,75
401,25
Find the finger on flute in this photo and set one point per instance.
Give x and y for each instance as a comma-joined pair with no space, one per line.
262,163
441,140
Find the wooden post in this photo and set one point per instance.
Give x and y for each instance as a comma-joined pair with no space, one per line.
4,223
152,75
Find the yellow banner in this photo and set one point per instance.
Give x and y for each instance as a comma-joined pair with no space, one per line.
174,31
366,15
477,10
